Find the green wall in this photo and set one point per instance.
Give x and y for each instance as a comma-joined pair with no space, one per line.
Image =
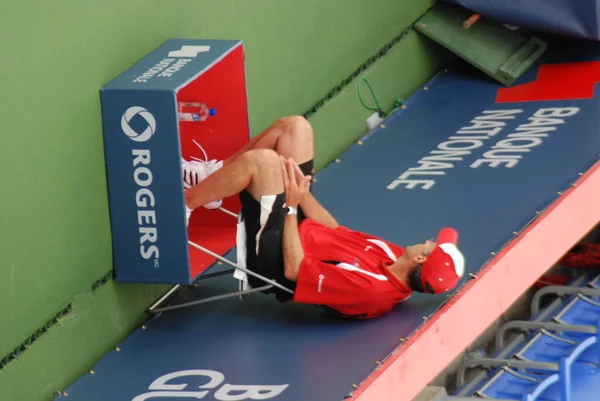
55,250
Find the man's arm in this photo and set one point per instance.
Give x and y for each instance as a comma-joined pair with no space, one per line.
296,187
316,212
292,247
311,207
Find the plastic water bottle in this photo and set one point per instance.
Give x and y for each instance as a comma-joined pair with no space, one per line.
194,111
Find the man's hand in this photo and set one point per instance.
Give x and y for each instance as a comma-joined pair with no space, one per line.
296,187
296,184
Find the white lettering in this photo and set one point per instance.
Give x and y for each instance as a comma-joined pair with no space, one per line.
142,176
506,152
227,392
163,69
513,143
479,125
148,234
492,132
141,156
168,72
410,184
146,217
448,151
533,132
144,198
152,71
496,161
557,112
431,165
460,138
248,392
446,155
525,137
171,394
451,145
499,114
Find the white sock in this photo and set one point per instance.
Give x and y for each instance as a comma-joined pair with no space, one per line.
218,165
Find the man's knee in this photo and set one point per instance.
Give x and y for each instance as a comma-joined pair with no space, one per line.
297,138
262,158
297,126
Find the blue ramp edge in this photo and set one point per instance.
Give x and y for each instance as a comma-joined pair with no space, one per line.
259,342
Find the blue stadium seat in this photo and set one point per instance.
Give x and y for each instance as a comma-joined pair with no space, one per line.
555,307
580,310
546,346
570,378
509,384
545,390
576,380
561,343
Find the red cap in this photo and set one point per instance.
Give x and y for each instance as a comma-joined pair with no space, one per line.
445,265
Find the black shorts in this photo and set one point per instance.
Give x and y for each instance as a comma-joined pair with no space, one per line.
264,222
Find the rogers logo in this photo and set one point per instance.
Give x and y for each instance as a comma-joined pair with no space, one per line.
145,199
133,134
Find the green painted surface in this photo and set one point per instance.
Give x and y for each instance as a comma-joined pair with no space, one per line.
98,321
55,235
54,240
398,74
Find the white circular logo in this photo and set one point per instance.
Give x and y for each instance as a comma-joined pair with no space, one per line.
133,134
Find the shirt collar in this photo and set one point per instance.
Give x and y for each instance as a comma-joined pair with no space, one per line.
400,286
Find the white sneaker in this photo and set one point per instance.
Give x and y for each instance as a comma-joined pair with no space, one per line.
196,171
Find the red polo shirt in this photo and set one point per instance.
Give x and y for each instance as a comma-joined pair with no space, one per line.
346,270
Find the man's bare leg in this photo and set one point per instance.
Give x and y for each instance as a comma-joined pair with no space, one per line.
257,170
293,137
289,137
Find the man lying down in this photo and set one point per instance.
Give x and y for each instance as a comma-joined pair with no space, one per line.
291,238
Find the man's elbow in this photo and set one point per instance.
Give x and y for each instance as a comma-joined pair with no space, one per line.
331,223
291,271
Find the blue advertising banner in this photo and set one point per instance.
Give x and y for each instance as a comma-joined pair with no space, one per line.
147,205
578,18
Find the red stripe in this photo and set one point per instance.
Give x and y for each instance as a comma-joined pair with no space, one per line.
567,81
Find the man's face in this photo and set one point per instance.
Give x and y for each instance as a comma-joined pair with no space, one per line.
418,253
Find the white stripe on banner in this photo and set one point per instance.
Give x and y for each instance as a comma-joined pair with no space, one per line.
349,267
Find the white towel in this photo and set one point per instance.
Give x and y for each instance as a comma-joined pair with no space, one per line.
266,208
240,240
